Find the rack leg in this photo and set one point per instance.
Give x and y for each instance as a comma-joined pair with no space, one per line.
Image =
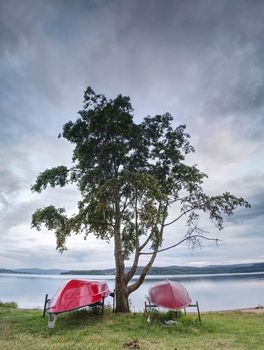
103,305
114,300
145,310
52,320
45,305
198,311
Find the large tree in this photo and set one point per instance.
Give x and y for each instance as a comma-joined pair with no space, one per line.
129,175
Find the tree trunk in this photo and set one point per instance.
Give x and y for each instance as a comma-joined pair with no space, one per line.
121,296
121,290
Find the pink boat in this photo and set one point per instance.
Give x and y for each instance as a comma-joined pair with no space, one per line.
168,294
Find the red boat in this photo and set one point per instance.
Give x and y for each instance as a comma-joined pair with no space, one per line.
74,294
171,295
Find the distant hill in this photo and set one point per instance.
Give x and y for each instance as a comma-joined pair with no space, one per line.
168,270
41,271
34,271
90,272
6,271
181,270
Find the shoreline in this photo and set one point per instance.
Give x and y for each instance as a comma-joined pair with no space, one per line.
259,309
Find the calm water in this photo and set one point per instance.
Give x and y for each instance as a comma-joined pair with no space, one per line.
214,292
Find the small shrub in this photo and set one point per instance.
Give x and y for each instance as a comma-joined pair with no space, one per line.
172,315
10,304
156,315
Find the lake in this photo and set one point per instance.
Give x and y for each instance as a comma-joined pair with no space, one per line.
214,292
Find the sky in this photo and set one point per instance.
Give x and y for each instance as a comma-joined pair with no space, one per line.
202,61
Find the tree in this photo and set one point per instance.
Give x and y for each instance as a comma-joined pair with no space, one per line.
129,175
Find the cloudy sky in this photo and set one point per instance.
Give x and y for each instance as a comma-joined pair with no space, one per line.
202,61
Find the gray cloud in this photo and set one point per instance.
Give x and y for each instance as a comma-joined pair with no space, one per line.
201,61
8,182
254,213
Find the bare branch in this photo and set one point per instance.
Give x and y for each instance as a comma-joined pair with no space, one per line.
143,245
216,240
182,214
177,200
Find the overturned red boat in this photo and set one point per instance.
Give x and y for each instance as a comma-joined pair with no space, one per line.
168,294
75,294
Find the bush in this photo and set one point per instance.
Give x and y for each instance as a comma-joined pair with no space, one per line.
10,304
164,316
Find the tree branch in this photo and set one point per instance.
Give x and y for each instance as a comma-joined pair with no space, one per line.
126,204
183,240
101,223
143,245
134,266
146,269
182,214
142,276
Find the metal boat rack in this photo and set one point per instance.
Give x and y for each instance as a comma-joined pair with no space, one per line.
52,317
151,307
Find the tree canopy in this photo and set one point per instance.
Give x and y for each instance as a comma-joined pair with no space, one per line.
129,175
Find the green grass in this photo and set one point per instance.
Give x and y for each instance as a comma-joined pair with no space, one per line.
27,330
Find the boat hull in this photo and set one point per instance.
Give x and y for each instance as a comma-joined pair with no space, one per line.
168,294
74,294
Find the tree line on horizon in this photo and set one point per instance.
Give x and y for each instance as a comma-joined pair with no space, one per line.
155,270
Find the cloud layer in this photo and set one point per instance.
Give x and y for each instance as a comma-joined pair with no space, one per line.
201,61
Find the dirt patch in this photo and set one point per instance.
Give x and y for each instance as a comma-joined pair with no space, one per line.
133,344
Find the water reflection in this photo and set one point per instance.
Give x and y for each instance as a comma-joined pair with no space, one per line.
214,292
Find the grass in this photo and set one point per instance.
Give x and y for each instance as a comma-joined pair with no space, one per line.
81,330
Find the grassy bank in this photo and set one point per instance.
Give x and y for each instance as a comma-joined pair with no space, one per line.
27,330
